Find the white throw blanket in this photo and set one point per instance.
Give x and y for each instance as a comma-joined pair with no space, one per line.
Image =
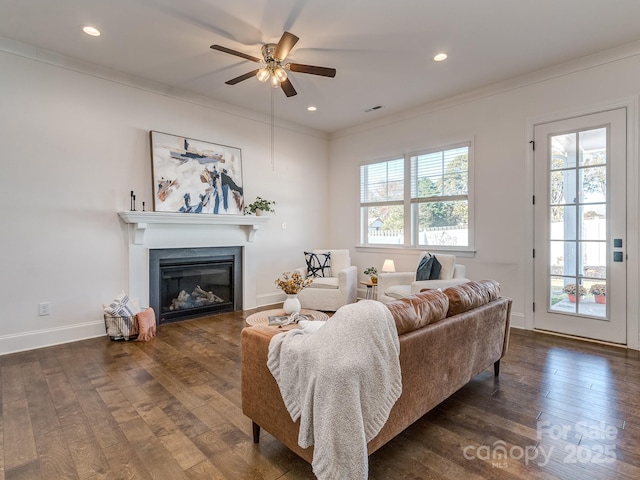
341,382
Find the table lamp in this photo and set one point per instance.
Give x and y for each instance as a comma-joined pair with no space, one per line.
388,266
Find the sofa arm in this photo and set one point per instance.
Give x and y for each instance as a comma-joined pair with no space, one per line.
459,271
386,280
302,271
261,398
348,284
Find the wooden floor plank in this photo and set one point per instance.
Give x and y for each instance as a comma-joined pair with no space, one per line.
18,438
171,408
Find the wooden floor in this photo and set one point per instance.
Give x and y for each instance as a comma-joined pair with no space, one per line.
170,409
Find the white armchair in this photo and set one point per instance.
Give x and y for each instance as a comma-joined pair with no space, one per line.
392,286
331,292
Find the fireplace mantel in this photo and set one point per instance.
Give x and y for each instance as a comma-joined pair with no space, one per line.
141,220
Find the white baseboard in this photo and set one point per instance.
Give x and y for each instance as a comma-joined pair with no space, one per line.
517,321
51,336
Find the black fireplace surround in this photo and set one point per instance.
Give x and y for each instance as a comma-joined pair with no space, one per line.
194,282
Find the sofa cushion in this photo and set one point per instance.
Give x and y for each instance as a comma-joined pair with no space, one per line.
436,268
398,291
471,295
448,266
340,260
419,310
318,264
325,282
424,268
430,305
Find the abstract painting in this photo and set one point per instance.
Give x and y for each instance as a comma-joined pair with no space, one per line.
194,176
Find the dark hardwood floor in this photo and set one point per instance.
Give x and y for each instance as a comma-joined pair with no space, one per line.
170,409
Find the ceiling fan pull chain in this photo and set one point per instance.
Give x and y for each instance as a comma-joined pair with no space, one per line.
273,162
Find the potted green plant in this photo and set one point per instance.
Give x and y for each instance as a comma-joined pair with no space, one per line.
260,206
373,274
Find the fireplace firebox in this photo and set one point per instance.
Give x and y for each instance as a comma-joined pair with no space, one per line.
193,282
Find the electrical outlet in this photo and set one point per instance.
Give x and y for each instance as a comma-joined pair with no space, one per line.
44,308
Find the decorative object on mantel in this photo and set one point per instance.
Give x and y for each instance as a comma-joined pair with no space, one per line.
260,206
373,274
194,176
292,284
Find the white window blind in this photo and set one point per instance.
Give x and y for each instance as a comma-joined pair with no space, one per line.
382,182
441,175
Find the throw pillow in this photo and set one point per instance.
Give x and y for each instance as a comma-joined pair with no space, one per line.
318,264
435,269
424,268
120,306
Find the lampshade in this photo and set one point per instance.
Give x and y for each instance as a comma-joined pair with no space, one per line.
388,266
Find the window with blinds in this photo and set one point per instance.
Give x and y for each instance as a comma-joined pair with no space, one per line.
382,202
433,210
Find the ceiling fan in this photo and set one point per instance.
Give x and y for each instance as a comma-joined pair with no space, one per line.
273,55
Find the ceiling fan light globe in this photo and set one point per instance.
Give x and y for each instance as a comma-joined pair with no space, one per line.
274,81
263,74
280,74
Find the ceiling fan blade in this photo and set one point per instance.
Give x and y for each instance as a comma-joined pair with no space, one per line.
288,89
312,69
286,43
236,53
239,79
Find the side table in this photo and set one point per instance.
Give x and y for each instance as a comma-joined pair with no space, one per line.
372,289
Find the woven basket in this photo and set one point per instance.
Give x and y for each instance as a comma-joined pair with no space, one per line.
121,328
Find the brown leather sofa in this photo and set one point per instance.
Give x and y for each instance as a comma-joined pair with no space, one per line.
446,338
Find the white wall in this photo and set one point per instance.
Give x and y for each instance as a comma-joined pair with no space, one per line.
74,143
500,120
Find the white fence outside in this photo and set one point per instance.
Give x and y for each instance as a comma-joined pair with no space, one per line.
433,236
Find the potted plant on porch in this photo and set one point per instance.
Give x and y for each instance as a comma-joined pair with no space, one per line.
573,291
599,292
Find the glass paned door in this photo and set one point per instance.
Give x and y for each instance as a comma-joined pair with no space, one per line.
578,278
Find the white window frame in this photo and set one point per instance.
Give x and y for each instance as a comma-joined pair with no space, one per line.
411,233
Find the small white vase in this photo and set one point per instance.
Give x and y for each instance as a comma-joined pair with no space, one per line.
291,304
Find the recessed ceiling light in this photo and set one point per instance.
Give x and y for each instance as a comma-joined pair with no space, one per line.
440,57
94,32
311,108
